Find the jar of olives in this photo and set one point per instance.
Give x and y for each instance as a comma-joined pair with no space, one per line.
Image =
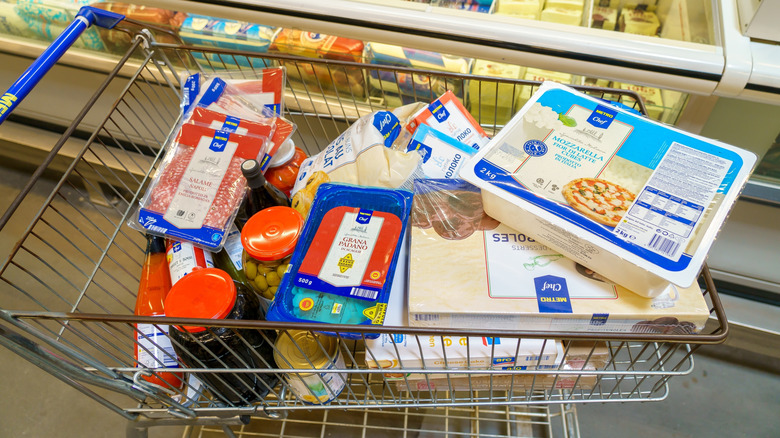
269,238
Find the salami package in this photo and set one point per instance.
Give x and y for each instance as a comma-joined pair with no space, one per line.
198,187
253,99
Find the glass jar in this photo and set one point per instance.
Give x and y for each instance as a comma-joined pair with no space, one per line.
269,238
210,293
284,167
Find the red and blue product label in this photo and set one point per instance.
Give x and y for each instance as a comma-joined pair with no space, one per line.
351,253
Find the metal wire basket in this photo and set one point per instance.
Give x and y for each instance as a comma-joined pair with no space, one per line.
69,283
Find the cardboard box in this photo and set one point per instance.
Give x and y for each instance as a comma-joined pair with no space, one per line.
467,270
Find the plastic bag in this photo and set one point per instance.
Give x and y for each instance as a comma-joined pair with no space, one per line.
364,155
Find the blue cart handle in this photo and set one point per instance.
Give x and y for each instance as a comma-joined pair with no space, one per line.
87,16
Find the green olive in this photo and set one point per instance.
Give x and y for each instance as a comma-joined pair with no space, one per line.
272,291
250,270
261,283
264,269
273,279
281,269
268,294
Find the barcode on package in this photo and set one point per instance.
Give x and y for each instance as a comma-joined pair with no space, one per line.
154,347
363,293
424,317
664,245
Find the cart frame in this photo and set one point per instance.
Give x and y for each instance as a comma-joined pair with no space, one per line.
69,283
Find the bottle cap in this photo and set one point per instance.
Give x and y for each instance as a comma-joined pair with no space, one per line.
284,154
207,293
253,174
271,233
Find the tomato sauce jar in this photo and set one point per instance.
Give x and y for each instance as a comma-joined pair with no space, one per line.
284,167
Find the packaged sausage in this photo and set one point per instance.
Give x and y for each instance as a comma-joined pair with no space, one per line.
255,99
198,187
319,77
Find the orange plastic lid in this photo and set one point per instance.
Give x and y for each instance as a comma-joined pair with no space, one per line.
271,233
207,293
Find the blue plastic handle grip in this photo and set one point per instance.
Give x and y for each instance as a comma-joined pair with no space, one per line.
86,17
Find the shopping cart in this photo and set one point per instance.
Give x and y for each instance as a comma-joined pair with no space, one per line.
70,282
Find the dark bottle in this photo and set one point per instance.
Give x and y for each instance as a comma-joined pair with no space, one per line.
210,293
260,193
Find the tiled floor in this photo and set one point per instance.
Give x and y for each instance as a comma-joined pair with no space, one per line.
719,398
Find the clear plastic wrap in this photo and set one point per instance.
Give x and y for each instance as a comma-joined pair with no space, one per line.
366,154
199,186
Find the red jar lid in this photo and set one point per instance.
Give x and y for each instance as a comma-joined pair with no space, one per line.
207,293
271,233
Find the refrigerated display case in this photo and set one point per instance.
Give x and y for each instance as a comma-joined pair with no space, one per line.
339,19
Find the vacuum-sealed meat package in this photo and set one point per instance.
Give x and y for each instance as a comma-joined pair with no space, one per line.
199,186
248,98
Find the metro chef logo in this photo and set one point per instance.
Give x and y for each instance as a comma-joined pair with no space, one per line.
552,294
602,117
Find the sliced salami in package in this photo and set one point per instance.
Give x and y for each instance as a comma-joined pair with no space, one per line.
252,99
198,187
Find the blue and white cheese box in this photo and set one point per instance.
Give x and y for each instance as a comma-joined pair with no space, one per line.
635,200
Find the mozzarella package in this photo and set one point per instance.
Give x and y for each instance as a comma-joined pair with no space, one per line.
363,155
637,201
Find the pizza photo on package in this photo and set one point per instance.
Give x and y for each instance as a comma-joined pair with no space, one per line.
598,199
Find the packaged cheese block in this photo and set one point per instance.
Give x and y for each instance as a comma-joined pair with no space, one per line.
651,96
47,19
614,4
118,41
574,5
442,155
344,263
603,18
562,15
221,33
467,270
448,115
407,87
491,102
635,200
347,81
363,155
639,22
524,8
539,75
11,23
